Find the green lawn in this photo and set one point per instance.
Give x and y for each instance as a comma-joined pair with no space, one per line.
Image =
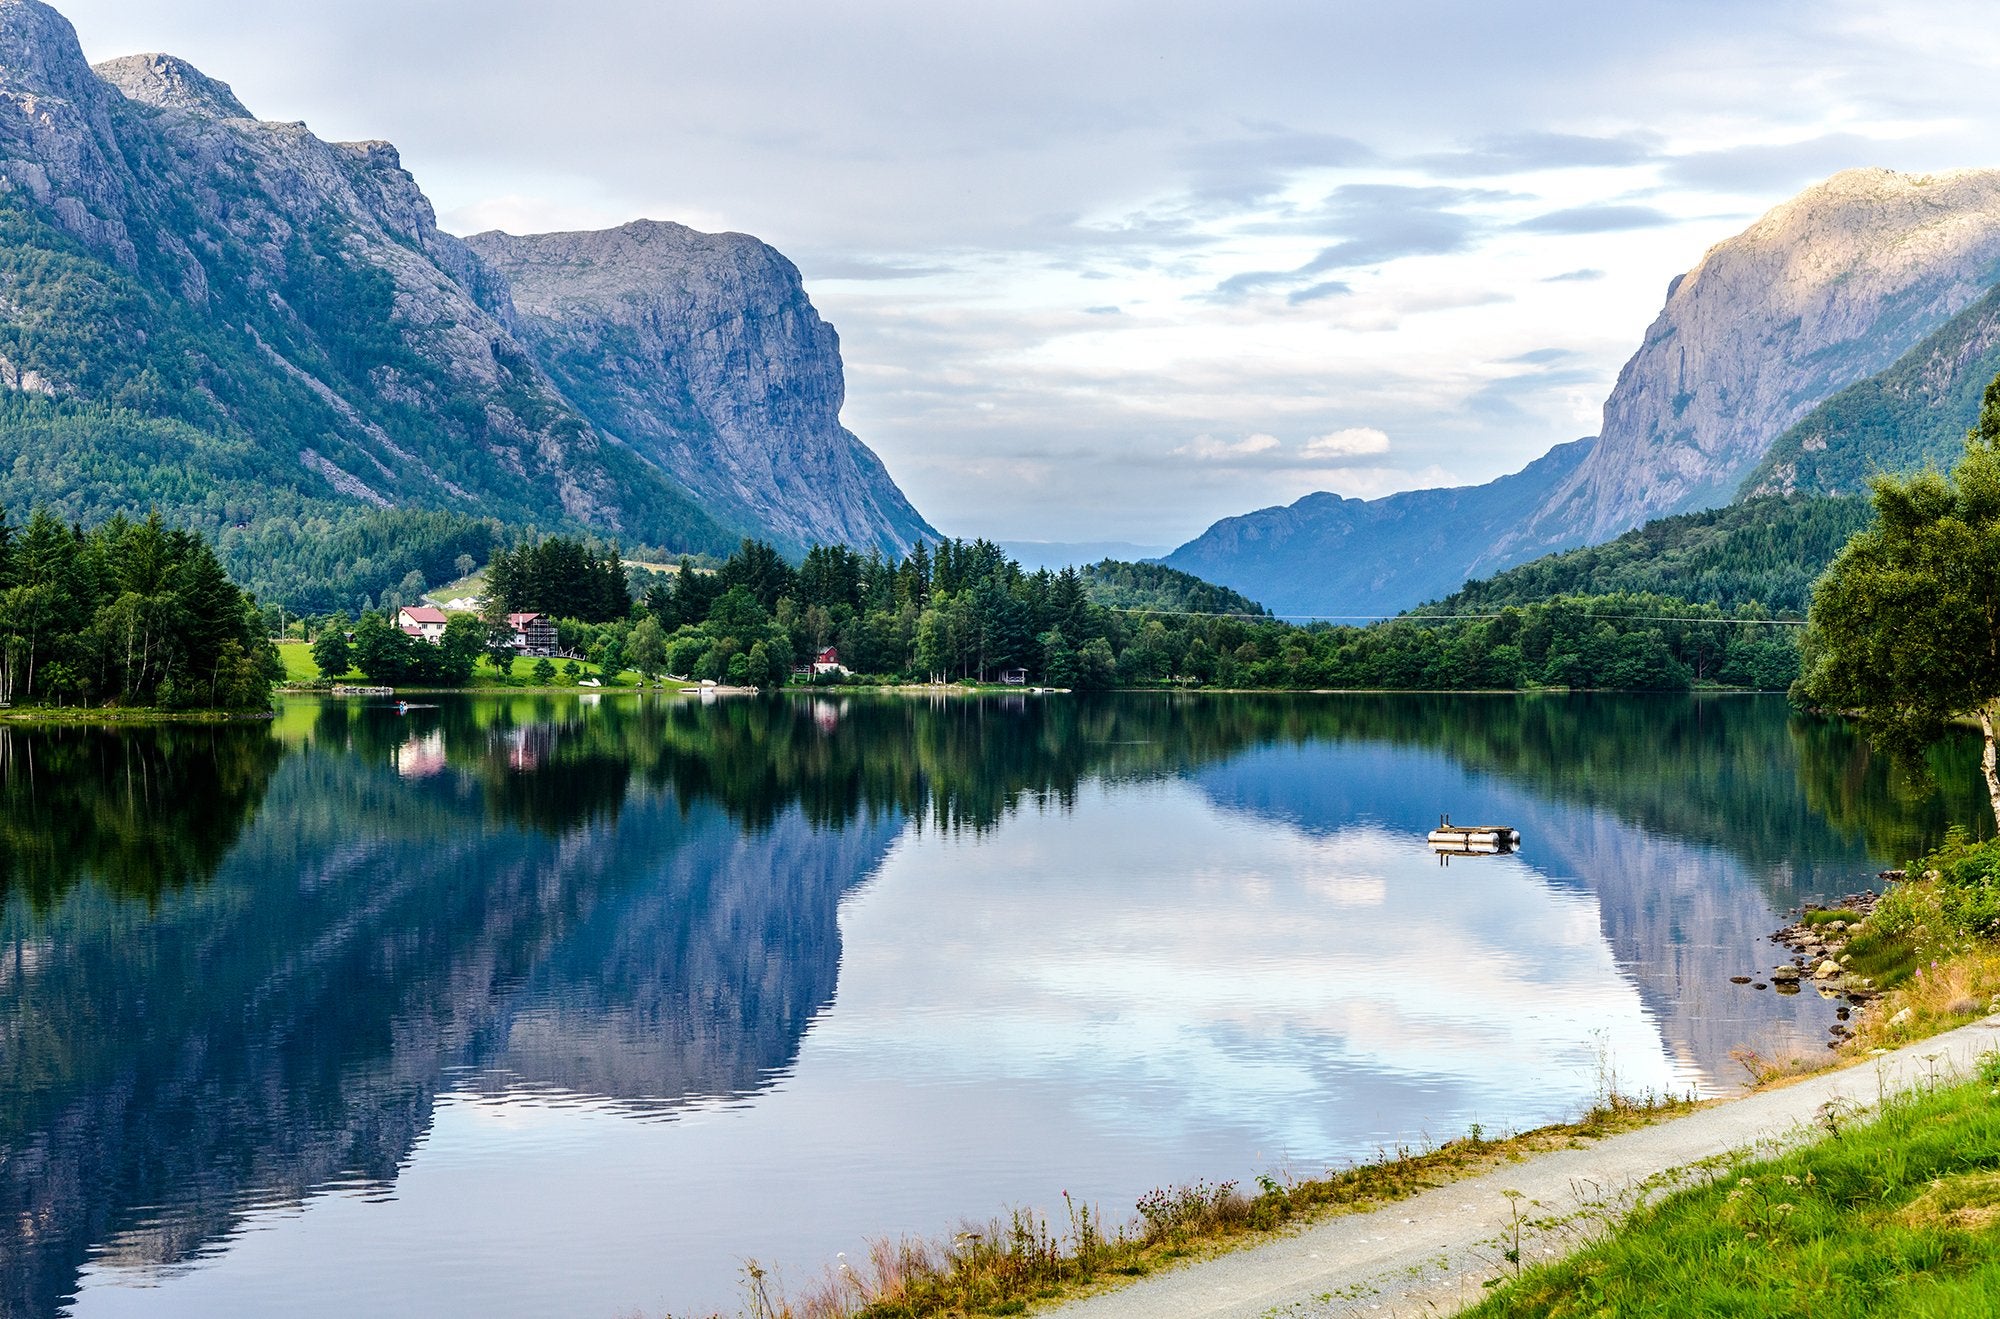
464,588
1898,1216
299,667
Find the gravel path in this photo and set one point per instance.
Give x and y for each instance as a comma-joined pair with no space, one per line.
1431,1254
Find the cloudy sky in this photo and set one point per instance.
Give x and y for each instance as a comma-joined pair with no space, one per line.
1114,270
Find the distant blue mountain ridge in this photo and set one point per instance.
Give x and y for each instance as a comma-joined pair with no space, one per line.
1849,331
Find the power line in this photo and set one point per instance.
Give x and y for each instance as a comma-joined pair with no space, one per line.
1443,618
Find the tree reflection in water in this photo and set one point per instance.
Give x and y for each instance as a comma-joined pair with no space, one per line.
241,963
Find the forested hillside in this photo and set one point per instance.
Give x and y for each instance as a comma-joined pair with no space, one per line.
1763,552
1140,586
1915,412
265,337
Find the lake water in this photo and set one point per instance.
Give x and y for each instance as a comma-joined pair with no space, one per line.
534,1007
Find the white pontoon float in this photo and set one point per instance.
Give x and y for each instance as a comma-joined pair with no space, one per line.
1473,839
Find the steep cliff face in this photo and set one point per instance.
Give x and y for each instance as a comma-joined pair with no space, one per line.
1807,306
247,326
1916,412
1823,291
314,303
702,352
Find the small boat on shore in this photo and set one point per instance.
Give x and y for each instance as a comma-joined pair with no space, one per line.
1483,839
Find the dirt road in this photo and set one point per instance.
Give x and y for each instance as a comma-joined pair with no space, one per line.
1432,1254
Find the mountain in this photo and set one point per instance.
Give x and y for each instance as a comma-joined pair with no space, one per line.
701,353
1765,552
1826,290
1354,558
266,336
1819,295
1916,412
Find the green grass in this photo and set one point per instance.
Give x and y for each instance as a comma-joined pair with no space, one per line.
298,658
465,588
1900,1215
299,668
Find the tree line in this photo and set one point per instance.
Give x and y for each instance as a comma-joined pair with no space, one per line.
131,613
1762,553
960,610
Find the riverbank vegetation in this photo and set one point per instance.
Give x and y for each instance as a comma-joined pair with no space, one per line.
1026,1259
965,612
1933,944
1889,1216
130,614
1902,627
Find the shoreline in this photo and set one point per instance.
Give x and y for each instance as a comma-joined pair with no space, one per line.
79,716
1444,1250
135,716
1102,1262
1295,1245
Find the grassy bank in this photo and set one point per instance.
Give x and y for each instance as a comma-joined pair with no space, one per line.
302,674
1896,1215
1027,1260
1933,945
135,715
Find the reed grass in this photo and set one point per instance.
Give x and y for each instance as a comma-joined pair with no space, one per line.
1019,1262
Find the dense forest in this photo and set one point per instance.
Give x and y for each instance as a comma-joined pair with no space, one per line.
560,577
1762,553
965,611
130,614
1141,586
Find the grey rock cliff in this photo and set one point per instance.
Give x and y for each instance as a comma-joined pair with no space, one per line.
702,353
171,84
345,350
1825,290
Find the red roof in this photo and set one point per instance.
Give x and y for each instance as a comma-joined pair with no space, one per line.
831,655
522,620
423,614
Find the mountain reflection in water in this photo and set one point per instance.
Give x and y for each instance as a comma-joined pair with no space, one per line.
242,965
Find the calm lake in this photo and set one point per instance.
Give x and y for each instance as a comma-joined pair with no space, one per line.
543,1007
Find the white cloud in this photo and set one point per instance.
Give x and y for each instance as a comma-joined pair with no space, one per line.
1354,442
1206,448
968,189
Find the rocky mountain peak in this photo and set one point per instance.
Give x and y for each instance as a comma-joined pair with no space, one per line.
171,84
40,55
703,353
1823,290
351,354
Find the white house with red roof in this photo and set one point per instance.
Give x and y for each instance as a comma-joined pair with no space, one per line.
422,622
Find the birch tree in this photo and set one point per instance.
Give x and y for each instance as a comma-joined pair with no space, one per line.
1904,629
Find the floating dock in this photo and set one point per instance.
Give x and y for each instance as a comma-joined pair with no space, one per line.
364,691
1474,839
